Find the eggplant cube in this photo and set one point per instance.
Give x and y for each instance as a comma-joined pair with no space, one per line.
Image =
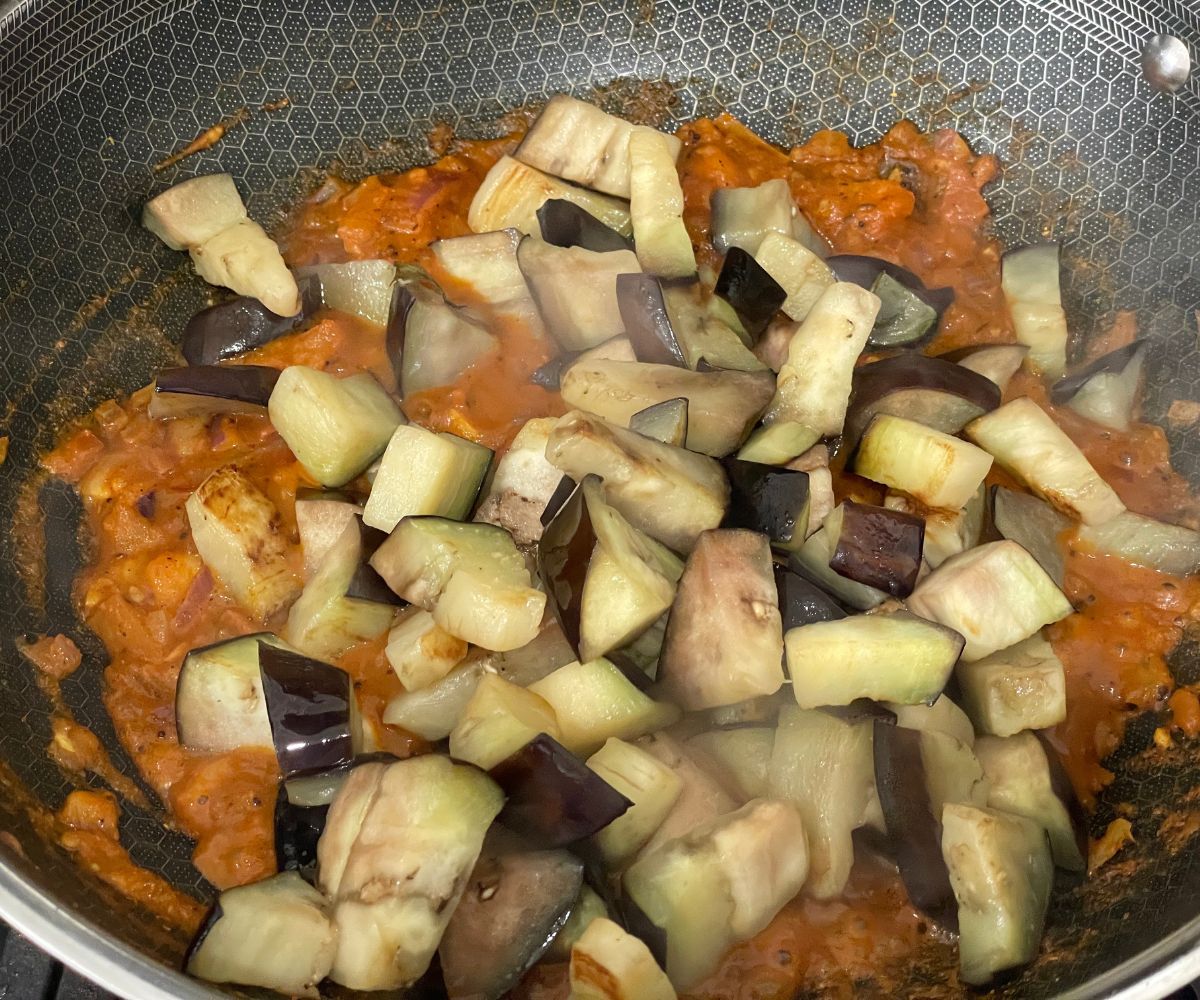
664,247
609,963
565,224
1037,527
744,217
239,534
1030,279
1106,392
421,652
772,501
487,264
876,546
701,796
750,290
522,485
335,427
649,784
800,272
666,421
361,288
1168,548
741,757
205,390
994,596
1022,687
190,213
321,517
499,719
431,712
778,444
241,324
309,707
243,258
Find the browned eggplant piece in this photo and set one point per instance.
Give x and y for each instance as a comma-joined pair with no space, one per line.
914,833
752,293
308,704
366,584
565,224
554,798
768,499
1035,526
647,322
1106,391
204,390
802,602
875,546
931,391
242,324
865,271
563,554
514,904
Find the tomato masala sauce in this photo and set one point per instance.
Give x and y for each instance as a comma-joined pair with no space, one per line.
913,198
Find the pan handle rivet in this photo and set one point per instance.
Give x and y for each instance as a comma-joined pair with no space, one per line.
1166,63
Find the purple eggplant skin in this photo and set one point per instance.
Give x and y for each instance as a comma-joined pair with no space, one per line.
621,907
549,376
308,703
402,301
1113,362
802,602
880,548
366,584
861,709
565,224
647,322
563,554
554,798
562,493
242,324
212,389
754,295
767,499
214,914
1060,784
914,833
297,830
860,270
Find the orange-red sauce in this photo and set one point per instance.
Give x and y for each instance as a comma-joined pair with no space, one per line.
912,198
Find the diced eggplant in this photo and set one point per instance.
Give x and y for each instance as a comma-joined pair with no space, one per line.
778,444
421,652
238,533
812,561
1021,782
815,381
522,484
499,719
514,905
929,391
308,705
905,319
741,757
193,211
361,288
430,343
576,290
244,259
647,783
432,711
470,576
1021,687
576,140
512,192
802,602
554,799
335,427
1027,442
595,701
935,468
423,472
995,595
743,217
1030,279
835,662
565,224
207,390
722,405
821,498
275,933
399,844
648,325
321,517
1168,548
768,500
539,658
563,558
801,273
947,532
298,829
1034,525
630,581
875,546
750,290
666,421
720,884
241,324
327,619
865,271
663,245
486,264
609,963
998,362
707,330
219,703
943,716
701,797
724,639
1001,871
588,907
1106,391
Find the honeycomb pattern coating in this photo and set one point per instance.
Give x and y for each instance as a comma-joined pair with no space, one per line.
92,95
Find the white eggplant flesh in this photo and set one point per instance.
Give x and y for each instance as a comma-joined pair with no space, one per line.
814,555
650,785
701,798
1030,280
512,192
394,858
724,641
800,272
815,381
577,141
824,766
499,719
321,517
423,472
420,651
244,259
522,485
664,247
1018,688
1110,398
778,444
702,330
1027,443
440,341
947,532
890,656
361,288
935,468
994,595
588,907
722,405
190,213
1168,548
1001,873
943,716
275,934
488,612
720,884
666,421
741,757
952,771
821,498
432,711
998,362
239,535
335,427
485,264
744,217
609,963
670,493
595,701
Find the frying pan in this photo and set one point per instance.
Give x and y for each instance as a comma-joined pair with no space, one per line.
94,94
